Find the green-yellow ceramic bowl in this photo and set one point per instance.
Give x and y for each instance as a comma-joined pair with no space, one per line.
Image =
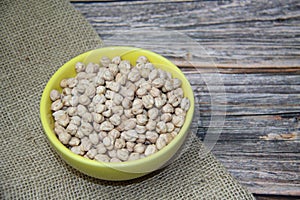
124,170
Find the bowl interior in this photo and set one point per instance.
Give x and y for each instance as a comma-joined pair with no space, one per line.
85,165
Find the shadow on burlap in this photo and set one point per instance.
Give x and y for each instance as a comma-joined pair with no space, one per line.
37,37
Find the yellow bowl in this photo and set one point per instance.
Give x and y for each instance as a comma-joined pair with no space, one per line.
124,170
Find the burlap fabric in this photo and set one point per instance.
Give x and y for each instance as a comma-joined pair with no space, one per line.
37,37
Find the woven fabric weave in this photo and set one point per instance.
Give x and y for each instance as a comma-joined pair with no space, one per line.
37,37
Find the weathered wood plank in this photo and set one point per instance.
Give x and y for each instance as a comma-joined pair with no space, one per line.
253,161
274,189
275,197
264,167
257,146
234,33
231,69
280,178
249,128
238,37
256,105
248,79
261,165
246,94
252,89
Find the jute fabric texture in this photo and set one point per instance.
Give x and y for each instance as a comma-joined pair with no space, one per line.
37,37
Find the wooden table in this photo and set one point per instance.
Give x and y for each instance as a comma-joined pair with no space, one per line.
256,49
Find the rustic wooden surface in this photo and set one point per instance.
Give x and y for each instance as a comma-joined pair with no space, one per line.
256,47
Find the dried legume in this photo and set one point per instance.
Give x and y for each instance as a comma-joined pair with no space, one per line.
114,112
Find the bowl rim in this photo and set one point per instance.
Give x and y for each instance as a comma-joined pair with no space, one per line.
53,139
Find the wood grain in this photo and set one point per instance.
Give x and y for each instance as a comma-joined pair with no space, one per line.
275,197
234,33
247,51
256,105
